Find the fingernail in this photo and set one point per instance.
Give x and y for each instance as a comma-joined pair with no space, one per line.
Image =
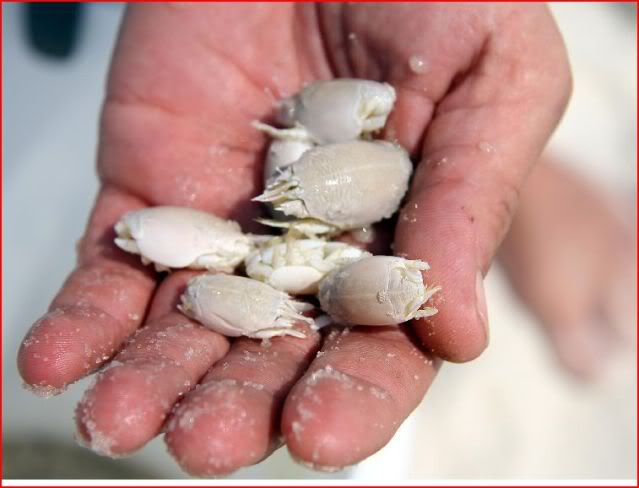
482,309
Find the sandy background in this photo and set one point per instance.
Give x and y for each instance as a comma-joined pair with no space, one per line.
510,414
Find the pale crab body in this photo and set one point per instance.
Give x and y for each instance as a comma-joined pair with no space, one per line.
237,306
340,186
334,111
182,237
377,290
282,153
297,266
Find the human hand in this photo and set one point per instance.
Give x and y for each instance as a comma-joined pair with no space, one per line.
572,261
184,86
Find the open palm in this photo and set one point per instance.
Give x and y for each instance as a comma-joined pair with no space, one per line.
486,88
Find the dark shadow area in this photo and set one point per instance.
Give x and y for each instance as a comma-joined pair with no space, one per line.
46,458
52,29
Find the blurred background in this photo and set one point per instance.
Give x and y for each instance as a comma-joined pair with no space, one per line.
513,413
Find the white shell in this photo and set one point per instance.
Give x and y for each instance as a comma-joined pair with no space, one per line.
282,153
379,290
237,306
181,237
340,186
297,266
335,111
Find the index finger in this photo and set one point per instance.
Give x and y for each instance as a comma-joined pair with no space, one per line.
101,303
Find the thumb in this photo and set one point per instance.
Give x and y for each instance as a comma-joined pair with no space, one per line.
484,137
